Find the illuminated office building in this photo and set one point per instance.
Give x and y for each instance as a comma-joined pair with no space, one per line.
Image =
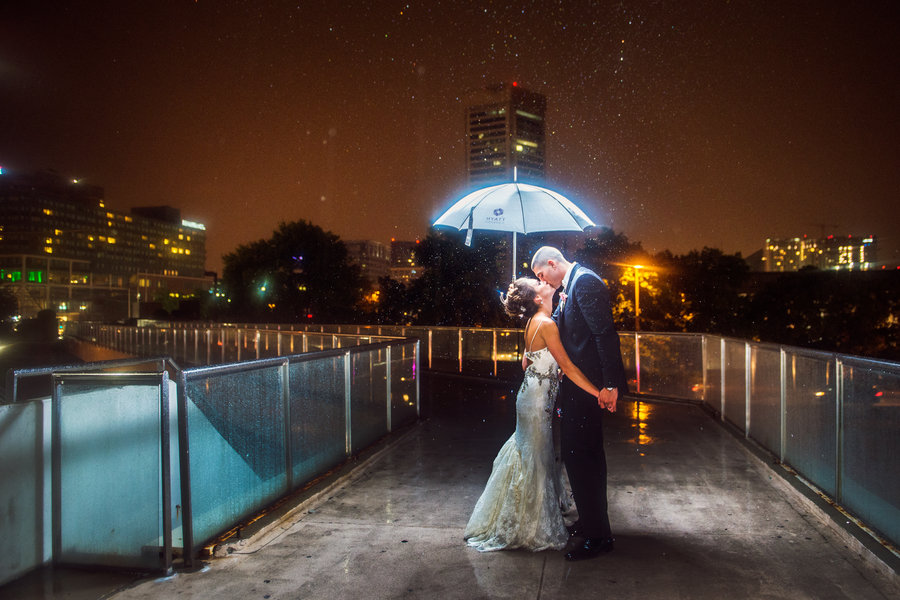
62,248
505,130
830,253
405,265
373,259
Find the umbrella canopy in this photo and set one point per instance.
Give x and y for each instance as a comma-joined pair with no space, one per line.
515,207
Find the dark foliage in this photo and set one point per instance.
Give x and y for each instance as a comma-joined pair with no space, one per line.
301,270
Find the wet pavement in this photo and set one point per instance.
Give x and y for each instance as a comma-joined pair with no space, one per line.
694,512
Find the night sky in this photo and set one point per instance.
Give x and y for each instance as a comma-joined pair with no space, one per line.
681,124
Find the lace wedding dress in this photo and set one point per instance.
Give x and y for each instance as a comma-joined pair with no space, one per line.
522,503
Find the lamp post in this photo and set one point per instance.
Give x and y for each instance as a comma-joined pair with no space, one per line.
637,296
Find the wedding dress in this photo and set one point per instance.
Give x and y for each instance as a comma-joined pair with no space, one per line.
522,503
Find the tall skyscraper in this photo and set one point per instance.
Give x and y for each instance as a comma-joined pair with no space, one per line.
505,129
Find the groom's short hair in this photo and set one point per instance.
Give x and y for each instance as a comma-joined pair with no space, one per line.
545,253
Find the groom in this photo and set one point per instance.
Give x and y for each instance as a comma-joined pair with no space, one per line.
584,318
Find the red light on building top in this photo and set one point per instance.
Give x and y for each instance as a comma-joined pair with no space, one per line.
515,84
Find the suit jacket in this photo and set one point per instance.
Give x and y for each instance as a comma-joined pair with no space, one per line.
587,330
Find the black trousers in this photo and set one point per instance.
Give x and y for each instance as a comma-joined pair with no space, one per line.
581,444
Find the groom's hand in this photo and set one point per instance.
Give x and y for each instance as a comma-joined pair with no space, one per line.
608,398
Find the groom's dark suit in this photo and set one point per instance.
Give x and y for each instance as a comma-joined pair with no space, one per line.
590,339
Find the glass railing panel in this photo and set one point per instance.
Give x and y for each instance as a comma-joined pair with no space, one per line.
22,490
626,343
292,343
478,352
231,345
765,397
810,418
110,473
712,395
318,416
735,383
237,449
510,346
671,365
268,344
445,350
403,384
870,486
368,397
318,341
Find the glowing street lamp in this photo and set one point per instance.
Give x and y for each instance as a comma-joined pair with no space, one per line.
637,296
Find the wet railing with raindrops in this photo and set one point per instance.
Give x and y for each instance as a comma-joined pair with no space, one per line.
832,419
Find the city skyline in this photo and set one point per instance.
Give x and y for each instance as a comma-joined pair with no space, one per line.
679,126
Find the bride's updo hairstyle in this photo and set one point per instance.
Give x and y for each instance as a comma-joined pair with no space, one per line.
519,299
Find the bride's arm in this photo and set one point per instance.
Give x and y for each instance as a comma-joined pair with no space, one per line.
551,337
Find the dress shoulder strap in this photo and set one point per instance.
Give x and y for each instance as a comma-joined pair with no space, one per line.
534,335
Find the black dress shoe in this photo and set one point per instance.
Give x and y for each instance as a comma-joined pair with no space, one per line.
591,548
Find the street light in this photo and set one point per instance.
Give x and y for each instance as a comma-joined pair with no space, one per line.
637,296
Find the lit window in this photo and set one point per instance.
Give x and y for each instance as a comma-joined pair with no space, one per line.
48,212
48,250
111,240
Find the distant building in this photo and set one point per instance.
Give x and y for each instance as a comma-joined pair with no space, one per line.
505,129
831,253
405,265
62,248
373,259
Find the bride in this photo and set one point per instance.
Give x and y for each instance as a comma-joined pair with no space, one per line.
520,505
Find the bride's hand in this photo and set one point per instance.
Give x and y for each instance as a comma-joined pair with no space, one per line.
607,399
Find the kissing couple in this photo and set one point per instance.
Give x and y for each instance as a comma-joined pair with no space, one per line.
523,501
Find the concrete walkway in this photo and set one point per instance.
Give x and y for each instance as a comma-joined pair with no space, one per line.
695,515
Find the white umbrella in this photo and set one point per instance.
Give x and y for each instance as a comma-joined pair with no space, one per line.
515,207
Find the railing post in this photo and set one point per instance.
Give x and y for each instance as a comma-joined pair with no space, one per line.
459,348
166,471
704,358
388,384
348,445
723,362
286,404
184,463
237,342
637,361
747,378
783,410
838,428
418,375
494,351
257,338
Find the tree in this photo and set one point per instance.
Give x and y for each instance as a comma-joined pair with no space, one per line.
460,285
853,313
709,286
301,273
